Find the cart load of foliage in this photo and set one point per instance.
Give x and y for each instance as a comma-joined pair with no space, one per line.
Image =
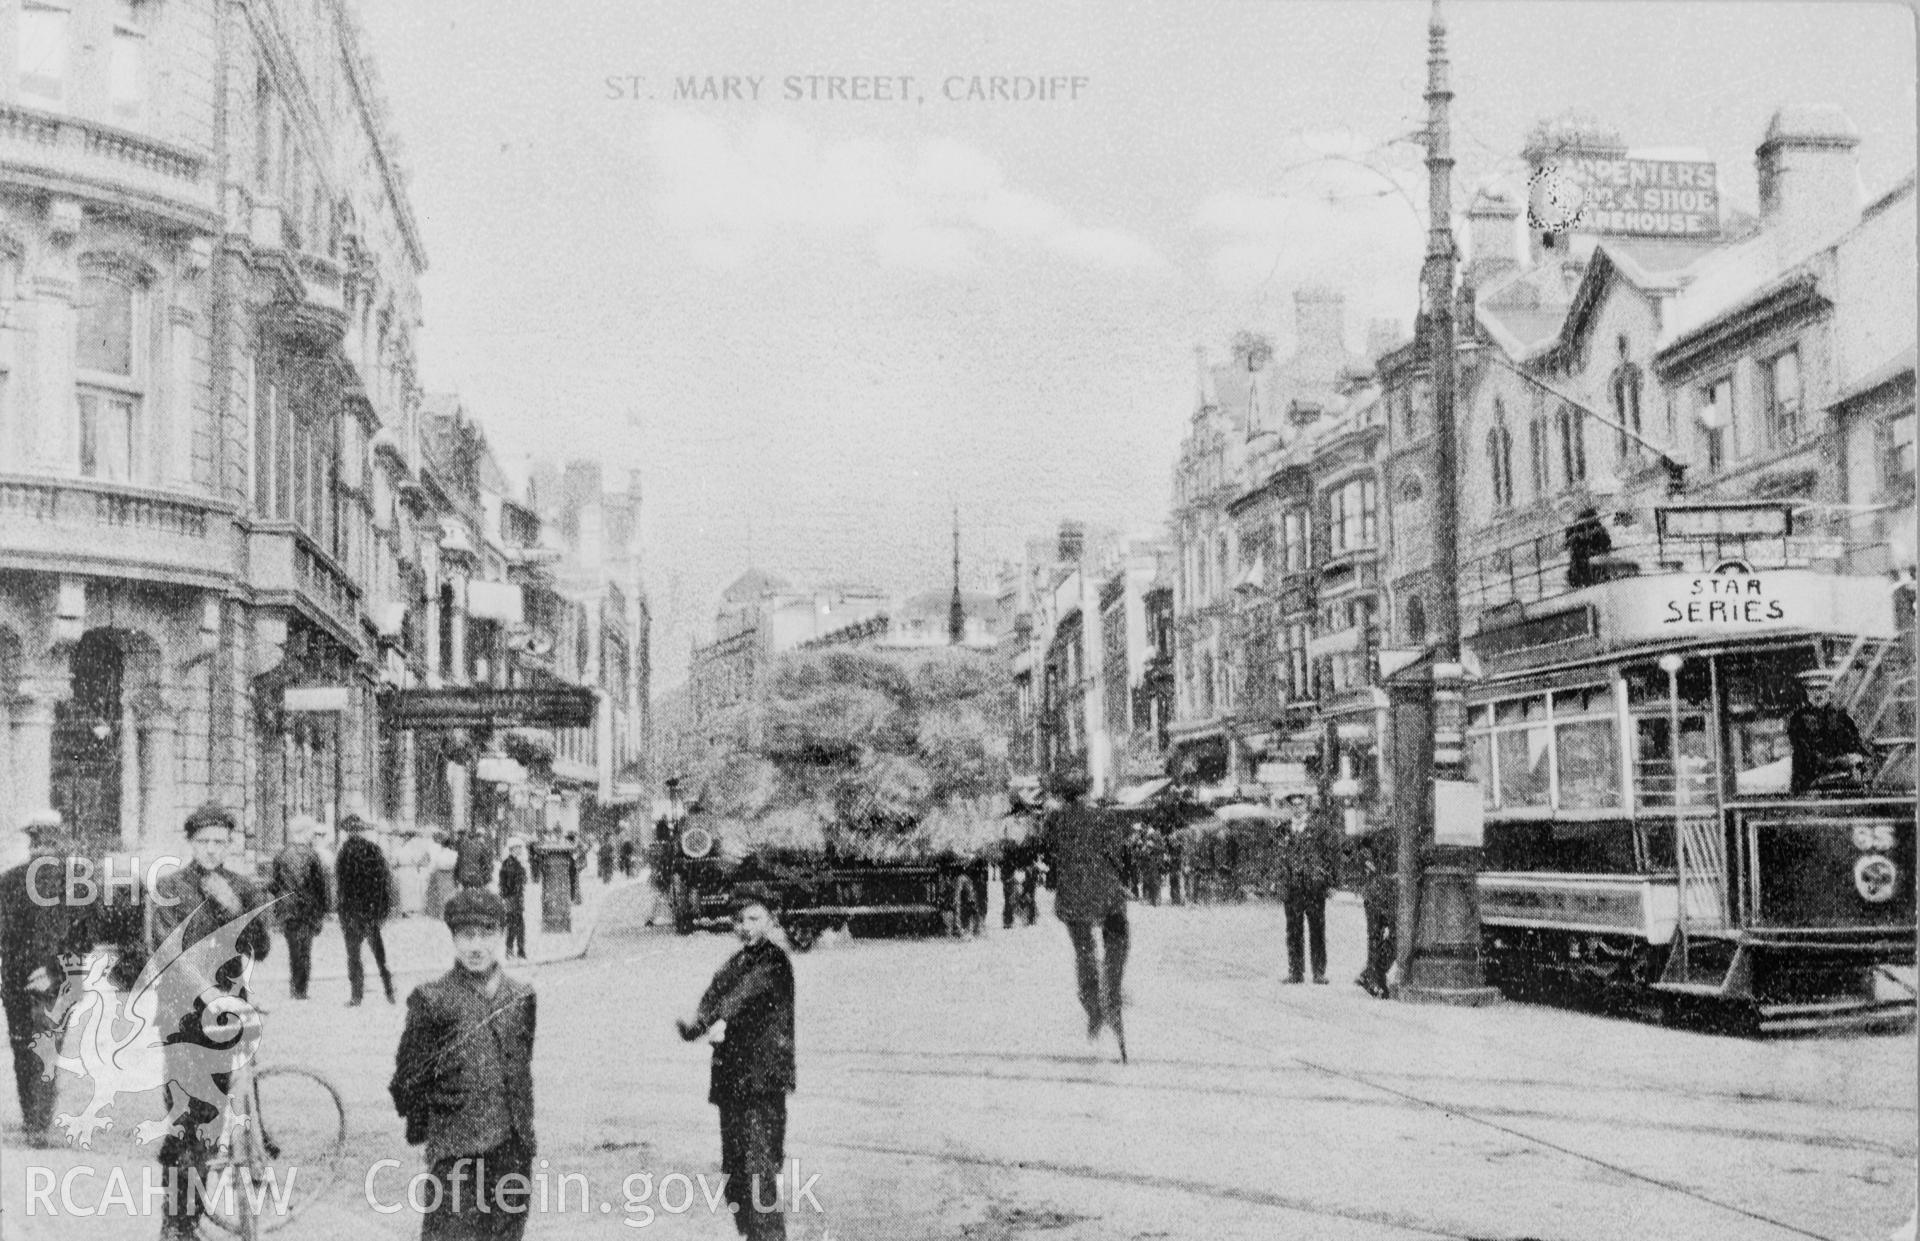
867,756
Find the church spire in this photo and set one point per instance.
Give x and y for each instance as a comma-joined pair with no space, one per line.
956,612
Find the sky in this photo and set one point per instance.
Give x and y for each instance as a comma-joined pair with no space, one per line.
814,327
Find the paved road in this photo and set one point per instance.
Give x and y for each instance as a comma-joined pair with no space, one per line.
947,1091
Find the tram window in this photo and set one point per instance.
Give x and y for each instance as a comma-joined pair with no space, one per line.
1523,757
1480,764
1588,764
1654,780
1518,710
1762,690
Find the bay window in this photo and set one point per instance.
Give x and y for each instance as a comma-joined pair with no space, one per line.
1352,517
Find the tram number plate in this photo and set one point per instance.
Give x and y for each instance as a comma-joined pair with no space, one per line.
1834,872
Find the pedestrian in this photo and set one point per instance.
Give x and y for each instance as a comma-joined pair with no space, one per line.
302,899
1309,858
195,901
413,864
1086,859
37,924
1380,900
626,859
577,852
749,1005
473,865
1155,855
1176,864
513,894
365,903
463,1079
605,858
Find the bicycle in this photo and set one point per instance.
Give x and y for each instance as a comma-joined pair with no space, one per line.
279,1154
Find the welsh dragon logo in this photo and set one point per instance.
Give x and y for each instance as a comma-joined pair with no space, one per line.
119,1035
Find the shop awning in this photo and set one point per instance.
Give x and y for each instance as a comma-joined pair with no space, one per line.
1139,794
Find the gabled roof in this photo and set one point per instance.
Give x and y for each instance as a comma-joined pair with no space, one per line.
754,584
1608,266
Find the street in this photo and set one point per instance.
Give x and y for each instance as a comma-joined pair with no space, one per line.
947,1091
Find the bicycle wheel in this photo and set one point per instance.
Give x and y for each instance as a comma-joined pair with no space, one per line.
291,1152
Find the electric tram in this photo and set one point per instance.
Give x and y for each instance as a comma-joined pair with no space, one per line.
1699,794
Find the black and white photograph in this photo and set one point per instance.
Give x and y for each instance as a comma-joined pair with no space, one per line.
1010,620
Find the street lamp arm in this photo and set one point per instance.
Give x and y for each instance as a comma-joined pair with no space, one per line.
1678,468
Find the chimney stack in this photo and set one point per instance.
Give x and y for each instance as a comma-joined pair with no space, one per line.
1809,171
1493,245
1073,542
1319,323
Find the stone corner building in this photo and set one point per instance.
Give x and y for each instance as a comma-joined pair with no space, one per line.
207,307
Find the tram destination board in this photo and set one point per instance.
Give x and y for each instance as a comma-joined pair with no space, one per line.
561,706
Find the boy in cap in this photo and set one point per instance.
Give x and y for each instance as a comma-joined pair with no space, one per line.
199,899
750,1004
463,1079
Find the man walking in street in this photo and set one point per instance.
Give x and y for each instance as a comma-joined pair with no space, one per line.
474,867
1380,899
513,894
365,902
1309,857
1086,859
197,900
302,898
750,1005
463,1079
36,926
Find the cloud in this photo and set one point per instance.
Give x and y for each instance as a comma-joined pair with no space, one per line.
736,193
1330,221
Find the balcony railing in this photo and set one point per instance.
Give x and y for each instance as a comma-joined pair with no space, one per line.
82,525
55,150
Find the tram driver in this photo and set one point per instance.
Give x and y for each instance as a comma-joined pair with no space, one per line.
1827,747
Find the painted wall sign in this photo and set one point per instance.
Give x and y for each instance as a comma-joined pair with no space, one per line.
1643,197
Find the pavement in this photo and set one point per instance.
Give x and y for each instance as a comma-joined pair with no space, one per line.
947,1092
419,947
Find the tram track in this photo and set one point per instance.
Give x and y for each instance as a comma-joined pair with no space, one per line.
1821,1141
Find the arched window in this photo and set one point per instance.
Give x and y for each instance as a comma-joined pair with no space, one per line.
1416,619
108,365
1500,466
1573,445
1626,404
1539,455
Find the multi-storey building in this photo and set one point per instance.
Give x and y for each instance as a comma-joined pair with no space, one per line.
208,276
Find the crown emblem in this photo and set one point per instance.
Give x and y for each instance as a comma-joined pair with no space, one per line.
73,962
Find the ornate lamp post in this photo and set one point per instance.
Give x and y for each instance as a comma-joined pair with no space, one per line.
1439,918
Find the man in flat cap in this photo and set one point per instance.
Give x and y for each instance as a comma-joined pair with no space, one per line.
750,1005
463,1079
36,926
366,898
1086,864
1824,739
198,899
